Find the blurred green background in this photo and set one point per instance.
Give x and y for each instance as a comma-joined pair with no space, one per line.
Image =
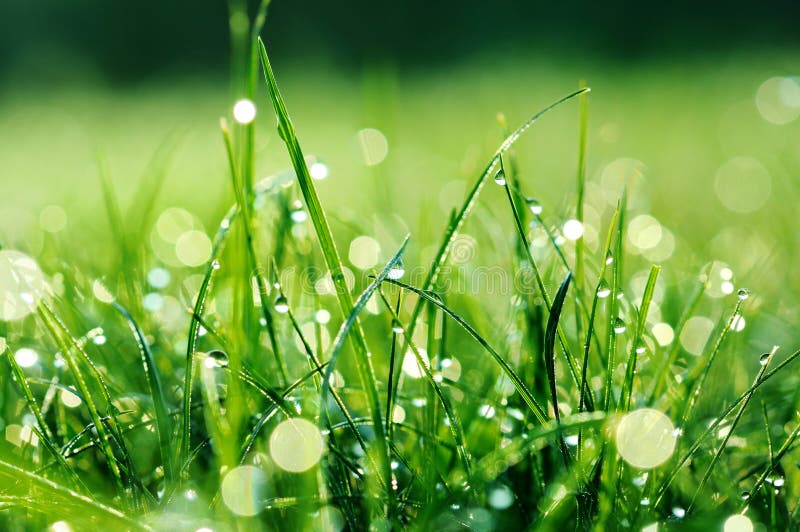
695,107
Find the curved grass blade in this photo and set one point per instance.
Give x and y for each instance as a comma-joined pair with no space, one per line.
194,326
550,356
451,231
630,370
163,420
548,303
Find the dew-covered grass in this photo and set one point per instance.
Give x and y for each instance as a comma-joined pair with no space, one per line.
400,308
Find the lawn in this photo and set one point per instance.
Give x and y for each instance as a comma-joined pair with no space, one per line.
590,324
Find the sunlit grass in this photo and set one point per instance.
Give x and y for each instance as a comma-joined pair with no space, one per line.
556,334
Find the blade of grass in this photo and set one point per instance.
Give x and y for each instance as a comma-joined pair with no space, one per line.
194,326
537,410
670,477
255,267
550,357
630,370
61,498
332,261
45,434
727,437
616,283
545,296
453,227
163,420
696,382
454,423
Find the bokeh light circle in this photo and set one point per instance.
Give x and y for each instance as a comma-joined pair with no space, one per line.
645,438
296,445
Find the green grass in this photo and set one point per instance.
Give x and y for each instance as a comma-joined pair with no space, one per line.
476,371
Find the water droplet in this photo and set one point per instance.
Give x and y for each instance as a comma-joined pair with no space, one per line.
215,264
640,350
609,258
281,132
679,512
603,290
743,294
397,271
500,178
217,358
281,305
619,326
534,205
397,327
763,359
745,495
778,482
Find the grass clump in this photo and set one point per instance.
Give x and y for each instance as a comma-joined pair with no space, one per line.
277,390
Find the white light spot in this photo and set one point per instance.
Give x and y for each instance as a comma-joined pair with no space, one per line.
60,526
318,171
398,414
738,523
243,490
573,229
158,277
374,146
663,333
244,111
410,365
726,287
322,316
21,285
645,438
26,357
101,293
364,252
296,445
152,301
193,248
70,399
501,497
